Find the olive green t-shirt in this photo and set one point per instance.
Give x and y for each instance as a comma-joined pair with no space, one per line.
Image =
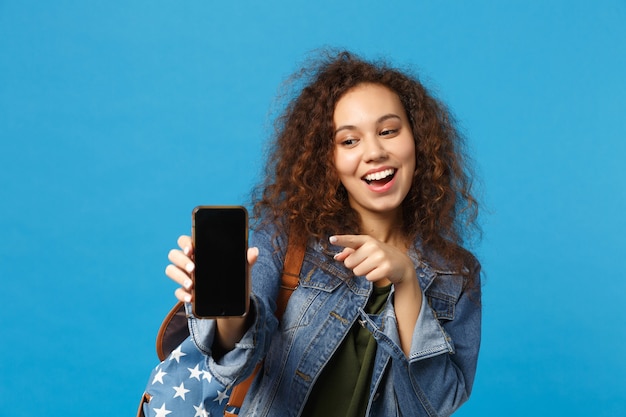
342,389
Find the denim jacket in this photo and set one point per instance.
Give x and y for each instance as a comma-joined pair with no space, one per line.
434,380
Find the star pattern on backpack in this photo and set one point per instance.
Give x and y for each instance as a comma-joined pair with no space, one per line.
185,387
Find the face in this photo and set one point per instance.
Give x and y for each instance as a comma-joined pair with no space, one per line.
374,149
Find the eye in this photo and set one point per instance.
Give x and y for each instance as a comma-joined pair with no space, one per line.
349,142
388,132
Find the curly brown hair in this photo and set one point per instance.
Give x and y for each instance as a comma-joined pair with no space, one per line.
302,190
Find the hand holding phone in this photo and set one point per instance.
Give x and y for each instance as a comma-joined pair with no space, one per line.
220,239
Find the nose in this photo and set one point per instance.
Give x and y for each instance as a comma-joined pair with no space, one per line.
374,149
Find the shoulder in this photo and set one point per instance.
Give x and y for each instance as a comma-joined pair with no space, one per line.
455,260
445,278
266,233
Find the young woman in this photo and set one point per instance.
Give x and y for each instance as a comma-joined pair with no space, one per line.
369,171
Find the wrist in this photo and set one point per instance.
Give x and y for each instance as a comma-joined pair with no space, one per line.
230,330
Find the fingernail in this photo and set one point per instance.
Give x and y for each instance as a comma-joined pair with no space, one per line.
186,250
187,298
189,267
333,239
336,256
187,284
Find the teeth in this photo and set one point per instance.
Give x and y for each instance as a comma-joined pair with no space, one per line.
379,175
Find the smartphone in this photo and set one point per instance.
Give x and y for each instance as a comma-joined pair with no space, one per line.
220,238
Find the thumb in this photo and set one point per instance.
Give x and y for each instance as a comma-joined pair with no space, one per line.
253,255
341,256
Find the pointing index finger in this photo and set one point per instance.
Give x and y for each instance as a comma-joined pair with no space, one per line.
348,241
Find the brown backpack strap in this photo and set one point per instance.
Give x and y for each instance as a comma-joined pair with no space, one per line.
172,332
291,274
289,282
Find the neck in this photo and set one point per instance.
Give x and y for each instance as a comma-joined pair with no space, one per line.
385,227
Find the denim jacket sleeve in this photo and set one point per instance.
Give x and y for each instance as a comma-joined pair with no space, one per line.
437,376
240,362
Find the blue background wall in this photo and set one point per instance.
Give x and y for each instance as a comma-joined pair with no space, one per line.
117,117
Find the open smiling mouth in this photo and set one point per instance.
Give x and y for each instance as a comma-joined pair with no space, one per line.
380,178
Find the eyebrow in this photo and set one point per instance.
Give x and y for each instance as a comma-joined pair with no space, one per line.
380,120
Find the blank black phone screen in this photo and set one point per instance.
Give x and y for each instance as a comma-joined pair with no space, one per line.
221,269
